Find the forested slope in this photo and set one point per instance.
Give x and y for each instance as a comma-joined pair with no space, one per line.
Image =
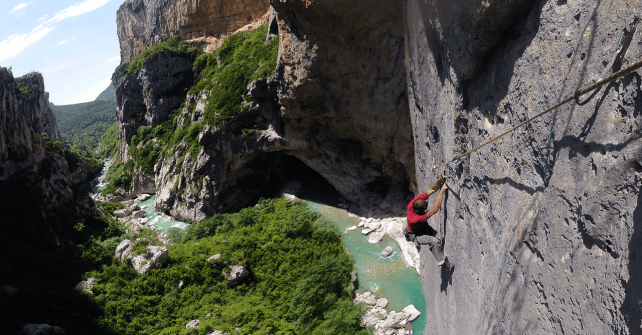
82,125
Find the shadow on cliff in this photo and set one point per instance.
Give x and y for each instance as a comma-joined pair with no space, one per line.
578,145
291,175
448,270
40,257
632,305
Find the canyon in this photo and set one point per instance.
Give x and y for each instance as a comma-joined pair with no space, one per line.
542,228
372,96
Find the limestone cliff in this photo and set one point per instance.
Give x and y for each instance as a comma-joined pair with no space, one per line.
141,23
544,225
335,118
25,116
343,92
37,174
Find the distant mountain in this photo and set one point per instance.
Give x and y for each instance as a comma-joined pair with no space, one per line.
108,94
83,124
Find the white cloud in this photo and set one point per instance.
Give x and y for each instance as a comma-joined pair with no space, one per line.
14,44
113,60
56,68
65,41
75,10
65,65
18,10
90,94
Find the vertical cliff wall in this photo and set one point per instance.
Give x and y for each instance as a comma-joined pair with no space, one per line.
543,226
337,103
25,115
141,23
343,96
37,175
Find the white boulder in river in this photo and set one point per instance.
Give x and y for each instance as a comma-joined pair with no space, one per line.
387,251
386,322
376,237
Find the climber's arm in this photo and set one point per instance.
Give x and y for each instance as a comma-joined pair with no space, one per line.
437,185
437,205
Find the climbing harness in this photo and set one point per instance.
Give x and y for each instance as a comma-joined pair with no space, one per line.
571,97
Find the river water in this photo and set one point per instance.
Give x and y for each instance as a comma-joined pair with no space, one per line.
159,221
388,278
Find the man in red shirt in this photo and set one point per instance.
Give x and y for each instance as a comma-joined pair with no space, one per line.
418,214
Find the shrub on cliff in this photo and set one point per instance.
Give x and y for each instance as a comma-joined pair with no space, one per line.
119,176
297,285
242,58
174,44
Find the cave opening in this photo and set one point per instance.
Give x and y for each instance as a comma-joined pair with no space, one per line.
279,172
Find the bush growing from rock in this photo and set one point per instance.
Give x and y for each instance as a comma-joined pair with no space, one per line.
297,284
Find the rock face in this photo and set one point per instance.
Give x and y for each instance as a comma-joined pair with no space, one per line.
41,329
37,175
194,324
143,23
24,119
147,97
343,92
384,321
235,275
86,285
543,226
143,184
349,132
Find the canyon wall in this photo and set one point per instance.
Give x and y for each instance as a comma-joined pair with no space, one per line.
543,226
327,106
37,174
141,23
25,116
343,95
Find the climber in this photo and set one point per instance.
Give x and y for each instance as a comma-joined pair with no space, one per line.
417,217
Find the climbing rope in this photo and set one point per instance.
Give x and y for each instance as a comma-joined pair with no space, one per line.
572,97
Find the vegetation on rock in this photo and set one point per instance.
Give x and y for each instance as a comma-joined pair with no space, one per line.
24,90
242,58
119,176
83,125
109,142
174,44
225,73
300,281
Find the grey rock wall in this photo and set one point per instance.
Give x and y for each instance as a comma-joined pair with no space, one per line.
34,180
544,225
343,96
336,103
141,23
22,121
147,97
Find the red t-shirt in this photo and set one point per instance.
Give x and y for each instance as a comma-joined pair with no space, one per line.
410,214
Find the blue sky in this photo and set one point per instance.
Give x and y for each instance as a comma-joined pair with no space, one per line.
73,43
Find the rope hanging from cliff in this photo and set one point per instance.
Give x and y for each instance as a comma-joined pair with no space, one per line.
571,97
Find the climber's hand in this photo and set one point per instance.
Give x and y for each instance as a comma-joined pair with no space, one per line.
444,187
